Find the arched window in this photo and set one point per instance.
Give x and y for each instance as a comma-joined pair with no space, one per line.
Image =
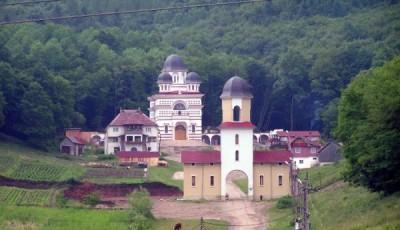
237,155
237,139
179,106
236,113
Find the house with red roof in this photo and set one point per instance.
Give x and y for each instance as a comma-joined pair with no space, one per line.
304,146
207,174
131,130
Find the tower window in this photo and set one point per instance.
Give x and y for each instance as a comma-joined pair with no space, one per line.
237,155
236,113
211,180
280,178
166,129
261,180
193,128
237,139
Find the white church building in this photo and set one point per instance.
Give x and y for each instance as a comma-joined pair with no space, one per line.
177,107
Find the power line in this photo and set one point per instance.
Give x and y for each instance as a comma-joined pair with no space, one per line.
131,11
29,2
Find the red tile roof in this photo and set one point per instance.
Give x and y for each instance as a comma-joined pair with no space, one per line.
298,133
131,117
272,156
228,125
200,157
137,154
76,140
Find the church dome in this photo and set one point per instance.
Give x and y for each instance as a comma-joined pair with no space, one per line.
236,87
174,63
165,78
193,77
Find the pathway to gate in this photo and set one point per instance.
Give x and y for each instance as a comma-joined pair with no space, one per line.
240,213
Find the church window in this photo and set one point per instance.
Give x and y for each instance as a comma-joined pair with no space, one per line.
237,155
236,113
166,129
280,180
237,139
193,181
193,128
261,180
212,181
179,106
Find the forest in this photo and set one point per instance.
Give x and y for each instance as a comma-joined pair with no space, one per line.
297,55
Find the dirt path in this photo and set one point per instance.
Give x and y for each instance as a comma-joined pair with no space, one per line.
242,213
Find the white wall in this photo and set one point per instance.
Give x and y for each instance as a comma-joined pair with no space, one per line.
308,162
228,162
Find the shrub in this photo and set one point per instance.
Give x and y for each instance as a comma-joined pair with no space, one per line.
105,157
285,202
61,201
140,215
92,199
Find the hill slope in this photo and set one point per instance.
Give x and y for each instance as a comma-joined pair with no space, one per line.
341,206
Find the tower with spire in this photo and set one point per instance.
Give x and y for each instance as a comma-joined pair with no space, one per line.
236,131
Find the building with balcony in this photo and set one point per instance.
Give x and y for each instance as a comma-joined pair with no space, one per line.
177,107
131,130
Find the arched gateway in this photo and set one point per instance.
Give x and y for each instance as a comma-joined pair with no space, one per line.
211,174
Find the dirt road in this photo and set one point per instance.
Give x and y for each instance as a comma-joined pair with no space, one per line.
241,214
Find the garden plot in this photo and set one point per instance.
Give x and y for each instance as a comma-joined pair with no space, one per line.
18,196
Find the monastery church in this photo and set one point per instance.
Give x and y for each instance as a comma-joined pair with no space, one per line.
177,107
206,172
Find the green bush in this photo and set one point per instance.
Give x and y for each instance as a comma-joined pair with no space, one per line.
92,199
105,157
99,152
285,202
140,215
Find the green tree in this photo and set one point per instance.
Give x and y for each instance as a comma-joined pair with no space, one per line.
369,126
2,105
140,210
37,120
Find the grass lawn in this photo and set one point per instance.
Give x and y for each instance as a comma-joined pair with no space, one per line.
164,174
354,208
324,175
242,184
17,217
280,219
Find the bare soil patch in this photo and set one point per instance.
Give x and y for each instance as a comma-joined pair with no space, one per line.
178,175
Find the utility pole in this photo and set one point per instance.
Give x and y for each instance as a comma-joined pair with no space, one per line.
305,212
202,224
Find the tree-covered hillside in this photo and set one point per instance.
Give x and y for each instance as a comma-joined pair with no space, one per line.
296,54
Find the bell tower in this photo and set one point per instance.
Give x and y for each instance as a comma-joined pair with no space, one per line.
236,132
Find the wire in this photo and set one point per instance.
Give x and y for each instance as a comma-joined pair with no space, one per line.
237,225
130,12
29,2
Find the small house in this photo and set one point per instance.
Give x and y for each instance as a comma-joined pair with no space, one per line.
72,145
330,153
